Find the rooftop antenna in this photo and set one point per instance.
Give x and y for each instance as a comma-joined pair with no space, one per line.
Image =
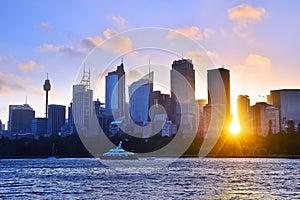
122,60
26,100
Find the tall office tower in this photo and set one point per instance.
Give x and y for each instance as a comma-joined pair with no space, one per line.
0,125
47,88
243,107
20,118
183,94
218,83
288,103
115,91
82,105
264,119
56,118
141,99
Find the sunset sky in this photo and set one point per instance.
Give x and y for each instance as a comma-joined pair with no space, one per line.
257,40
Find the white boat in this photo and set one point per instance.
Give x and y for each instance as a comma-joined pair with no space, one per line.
119,154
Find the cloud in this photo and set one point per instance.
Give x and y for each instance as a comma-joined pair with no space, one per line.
46,27
63,49
11,83
108,33
116,44
245,15
31,65
91,42
258,61
120,22
192,32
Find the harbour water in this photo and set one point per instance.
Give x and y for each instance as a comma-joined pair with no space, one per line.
188,178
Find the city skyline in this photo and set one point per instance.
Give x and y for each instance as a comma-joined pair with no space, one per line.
243,36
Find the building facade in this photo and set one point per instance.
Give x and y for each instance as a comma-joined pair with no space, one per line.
115,91
56,118
141,99
39,126
288,103
243,108
218,83
264,119
183,95
20,118
82,106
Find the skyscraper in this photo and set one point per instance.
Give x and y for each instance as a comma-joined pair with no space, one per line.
218,83
243,107
183,93
20,118
56,118
82,105
115,91
141,99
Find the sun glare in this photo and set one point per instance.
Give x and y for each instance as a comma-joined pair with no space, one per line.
235,127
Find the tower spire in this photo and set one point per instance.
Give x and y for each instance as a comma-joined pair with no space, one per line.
47,88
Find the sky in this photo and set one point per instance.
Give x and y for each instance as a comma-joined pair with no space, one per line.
257,40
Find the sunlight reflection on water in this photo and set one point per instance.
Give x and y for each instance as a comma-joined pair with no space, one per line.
183,179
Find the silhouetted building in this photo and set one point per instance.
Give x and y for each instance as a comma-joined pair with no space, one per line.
82,105
201,116
39,126
243,108
115,91
264,119
141,99
164,100
183,94
47,88
288,103
218,83
20,118
1,125
56,118
214,119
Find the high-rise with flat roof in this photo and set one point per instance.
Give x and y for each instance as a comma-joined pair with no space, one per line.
218,83
243,108
56,118
20,118
183,94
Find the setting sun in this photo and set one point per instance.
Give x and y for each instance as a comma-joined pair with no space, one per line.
235,127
